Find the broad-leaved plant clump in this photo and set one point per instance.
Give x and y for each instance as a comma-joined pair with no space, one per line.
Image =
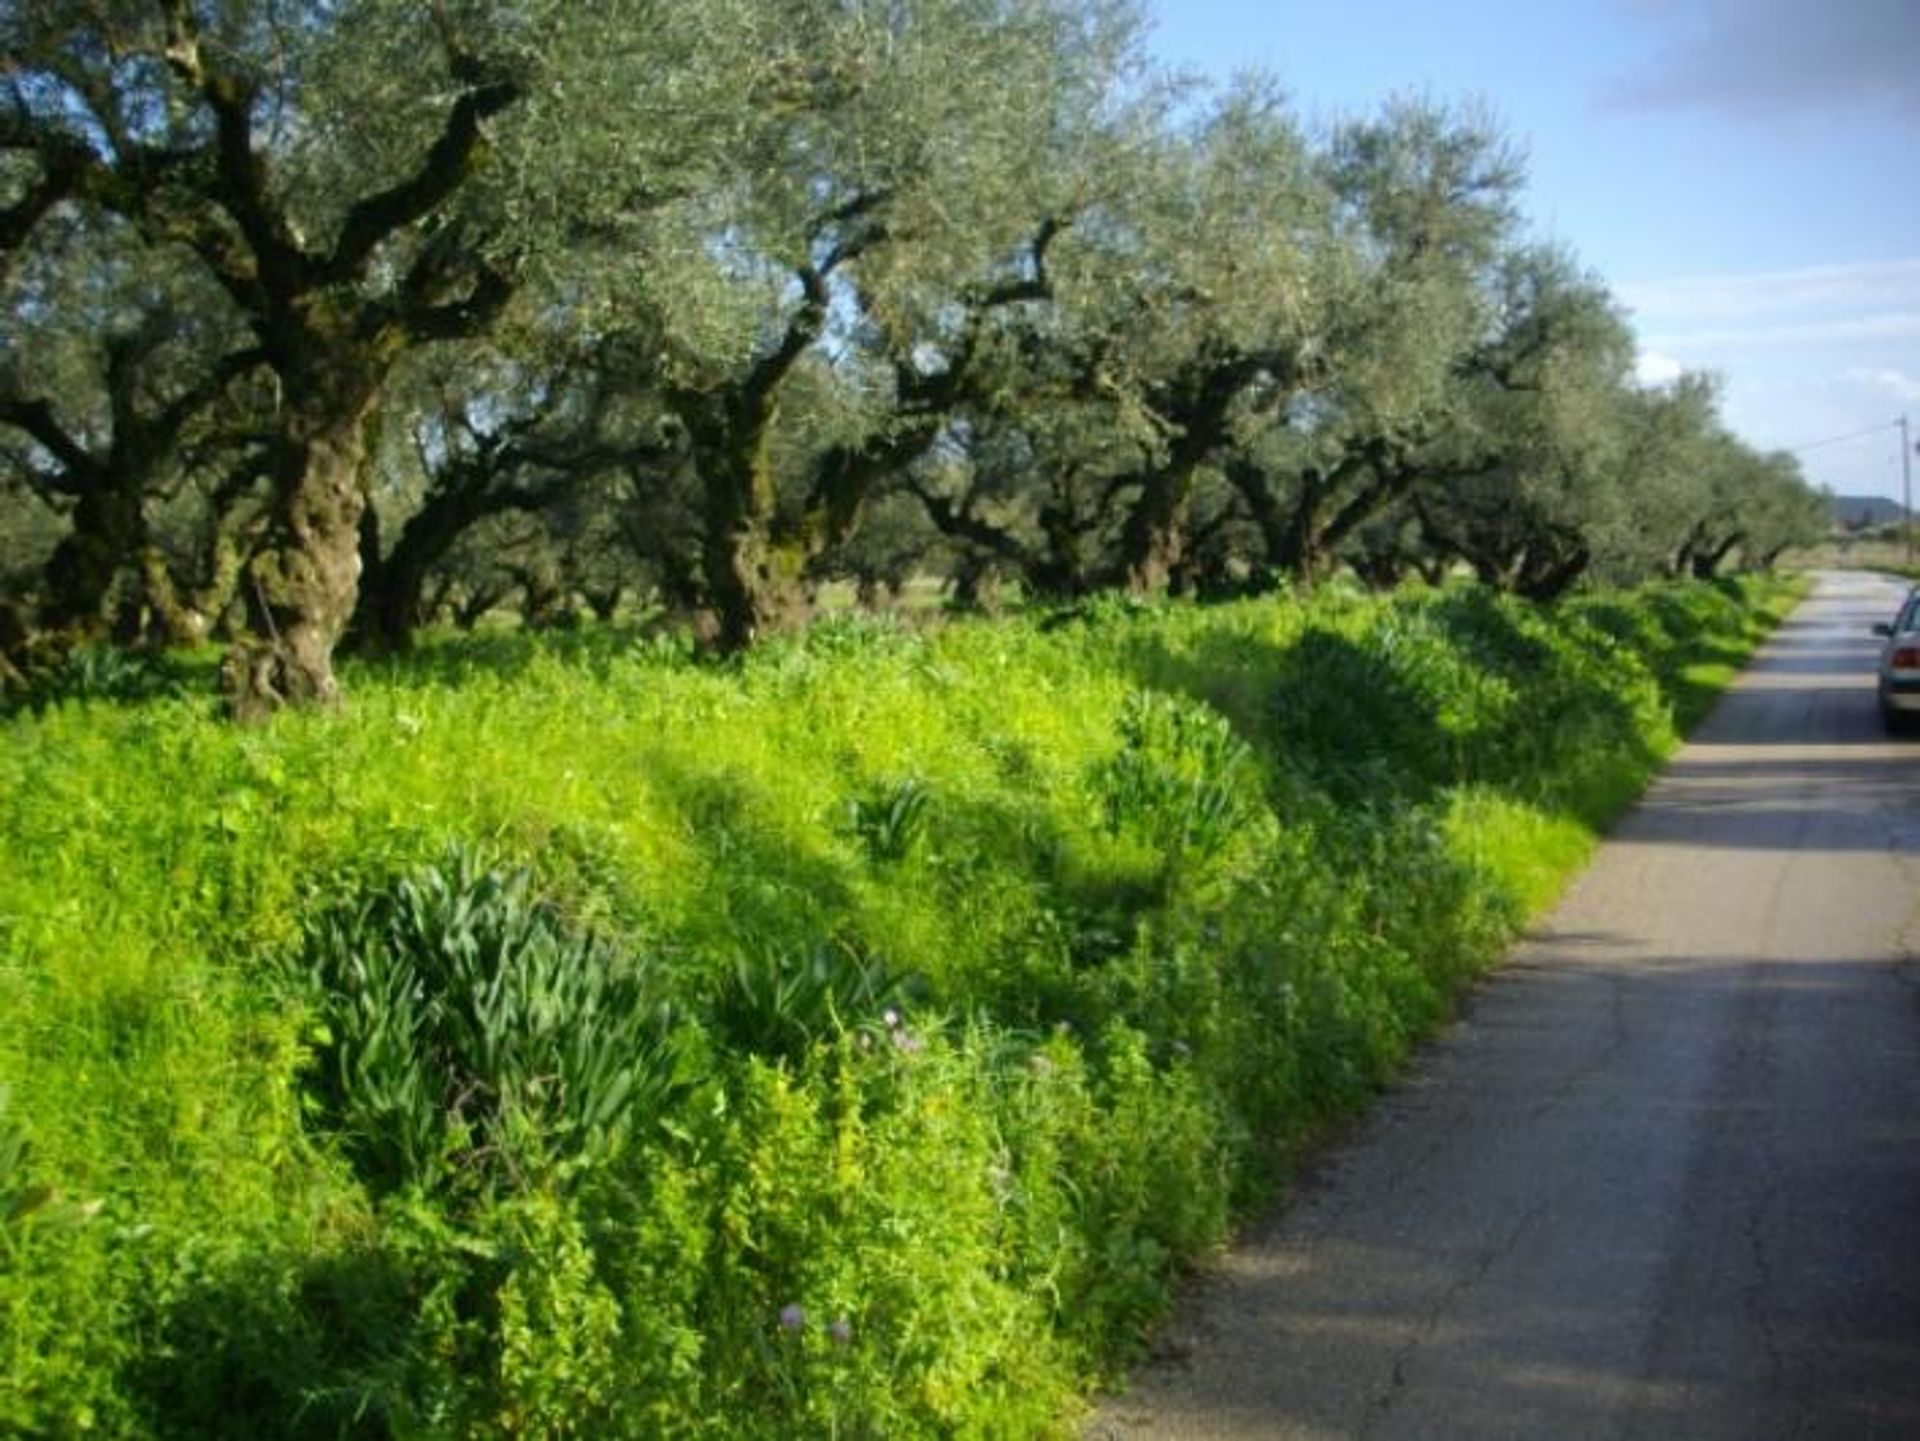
778,1004
469,1038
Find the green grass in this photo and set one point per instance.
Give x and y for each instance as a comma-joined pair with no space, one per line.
1002,963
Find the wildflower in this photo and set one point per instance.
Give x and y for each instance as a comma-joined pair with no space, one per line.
892,1018
840,1329
793,1316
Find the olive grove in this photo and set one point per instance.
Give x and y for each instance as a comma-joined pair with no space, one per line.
325,322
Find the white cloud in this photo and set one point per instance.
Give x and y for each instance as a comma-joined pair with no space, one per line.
1865,285
1838,421
1900,326
1857,319
1818,360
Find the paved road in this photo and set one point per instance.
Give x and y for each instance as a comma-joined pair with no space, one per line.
1663,1180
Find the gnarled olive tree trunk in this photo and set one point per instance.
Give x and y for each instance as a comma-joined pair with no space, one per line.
1196,404
1153,540
303,584
755,578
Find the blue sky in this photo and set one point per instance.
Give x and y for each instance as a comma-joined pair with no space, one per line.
1745,174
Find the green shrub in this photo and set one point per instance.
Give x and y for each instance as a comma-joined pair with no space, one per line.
98,673
467,1037
1181,776
891,821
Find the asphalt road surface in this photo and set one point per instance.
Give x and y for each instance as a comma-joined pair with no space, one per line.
1662,1179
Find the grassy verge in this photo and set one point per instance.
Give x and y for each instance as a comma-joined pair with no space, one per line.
1888,556
568,1038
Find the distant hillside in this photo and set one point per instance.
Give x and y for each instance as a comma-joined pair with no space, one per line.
1857,512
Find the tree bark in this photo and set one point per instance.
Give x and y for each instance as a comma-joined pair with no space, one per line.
392,599
755,582
1707,562
1152,539
1298,552
1300,535
1195,405
303,585
16,641
1549,569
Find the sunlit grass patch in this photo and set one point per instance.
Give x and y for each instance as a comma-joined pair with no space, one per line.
1526,854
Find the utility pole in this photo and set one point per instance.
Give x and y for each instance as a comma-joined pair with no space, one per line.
1906,487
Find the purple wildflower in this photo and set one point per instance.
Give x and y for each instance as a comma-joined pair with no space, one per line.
792,1316
841,1330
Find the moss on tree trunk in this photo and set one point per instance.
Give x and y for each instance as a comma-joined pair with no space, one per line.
755,578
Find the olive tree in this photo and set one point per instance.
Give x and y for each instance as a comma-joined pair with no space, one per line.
1527,482
1176,327
358,181
910,188
119,384
1406,329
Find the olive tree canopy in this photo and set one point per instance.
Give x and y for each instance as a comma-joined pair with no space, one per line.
358,180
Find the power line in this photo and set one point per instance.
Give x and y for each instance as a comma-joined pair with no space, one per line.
1837,439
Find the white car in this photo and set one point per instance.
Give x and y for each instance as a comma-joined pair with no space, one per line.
1900,666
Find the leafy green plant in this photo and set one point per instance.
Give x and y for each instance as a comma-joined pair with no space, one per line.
468,1037
98,672
892,820
779,1003
22,1199
1180,776
18,1198
1373,706
13,1147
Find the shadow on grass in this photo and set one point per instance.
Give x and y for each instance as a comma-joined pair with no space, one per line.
115,676
1395,713
1321,708
313,1349
765,881
451,658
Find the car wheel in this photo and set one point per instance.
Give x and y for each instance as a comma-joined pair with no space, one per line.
1897,723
